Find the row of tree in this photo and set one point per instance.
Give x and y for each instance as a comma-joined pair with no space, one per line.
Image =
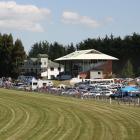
11,54
54,50
126,49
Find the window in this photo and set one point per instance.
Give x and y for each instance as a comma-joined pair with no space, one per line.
99,72
59,68
21,64
44,84
36,70
52,77
93,61
35,63
44,63
35,84
52,69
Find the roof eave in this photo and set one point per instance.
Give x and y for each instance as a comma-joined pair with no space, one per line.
84,59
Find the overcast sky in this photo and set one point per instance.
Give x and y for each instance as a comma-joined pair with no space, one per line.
67,21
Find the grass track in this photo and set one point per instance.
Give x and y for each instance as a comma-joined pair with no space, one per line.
32,116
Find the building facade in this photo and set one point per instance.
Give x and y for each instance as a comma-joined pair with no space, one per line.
88,64
41,67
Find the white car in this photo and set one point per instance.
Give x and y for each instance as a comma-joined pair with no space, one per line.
107,92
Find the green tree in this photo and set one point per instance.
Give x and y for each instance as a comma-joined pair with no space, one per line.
70,48
39,48
6,45
56,50
138,72
128,70
18,56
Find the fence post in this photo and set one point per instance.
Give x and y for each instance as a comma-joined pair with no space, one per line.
134,103
110,100
129,101
138,101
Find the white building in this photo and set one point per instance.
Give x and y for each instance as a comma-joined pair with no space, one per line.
41,67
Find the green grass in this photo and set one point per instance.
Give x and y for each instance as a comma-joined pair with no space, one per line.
32,116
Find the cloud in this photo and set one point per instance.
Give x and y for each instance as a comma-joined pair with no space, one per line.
109,19
70,16
75,18
22,17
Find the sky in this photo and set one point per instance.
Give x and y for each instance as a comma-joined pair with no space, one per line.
68,21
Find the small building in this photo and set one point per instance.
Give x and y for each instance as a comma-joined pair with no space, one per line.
87,64
41,67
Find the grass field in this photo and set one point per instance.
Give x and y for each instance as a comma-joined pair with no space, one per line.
32,116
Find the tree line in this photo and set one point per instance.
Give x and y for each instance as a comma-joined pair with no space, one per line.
126,49
11,55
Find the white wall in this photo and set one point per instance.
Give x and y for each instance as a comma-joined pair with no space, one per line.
50,73
96,74
44,74
44,62
55,72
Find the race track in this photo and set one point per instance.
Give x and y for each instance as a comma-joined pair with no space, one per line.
33,116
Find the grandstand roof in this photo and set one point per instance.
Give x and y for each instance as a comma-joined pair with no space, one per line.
87,55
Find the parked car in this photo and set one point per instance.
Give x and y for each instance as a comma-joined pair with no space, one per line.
19,86
69,92
119,95
107,92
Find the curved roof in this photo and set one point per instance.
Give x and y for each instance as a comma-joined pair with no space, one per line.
87,55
